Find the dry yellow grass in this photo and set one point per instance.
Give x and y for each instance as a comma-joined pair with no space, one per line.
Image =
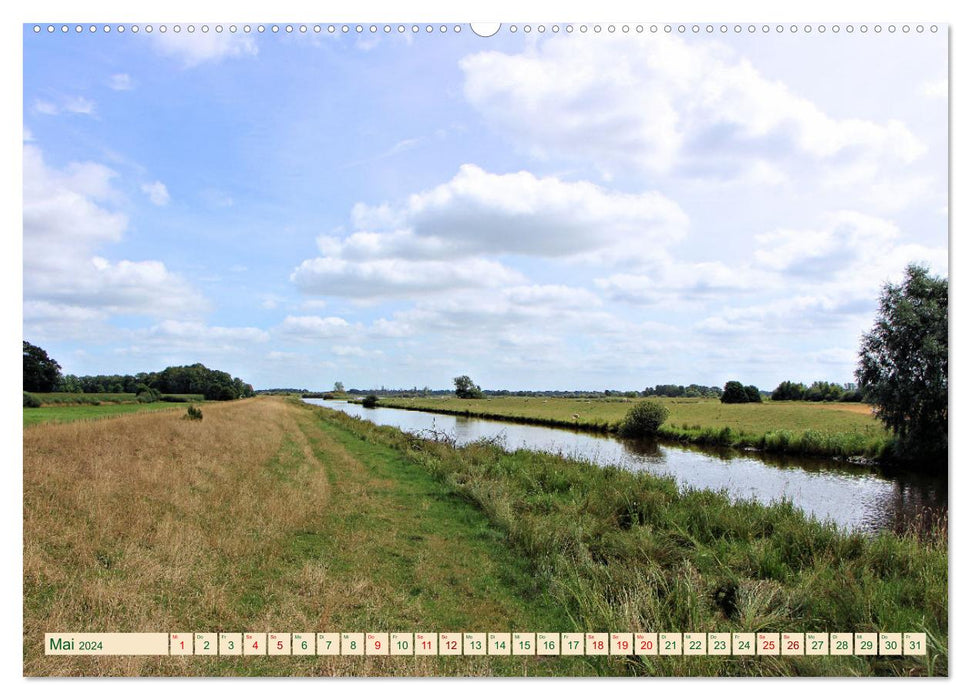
129,523
257,518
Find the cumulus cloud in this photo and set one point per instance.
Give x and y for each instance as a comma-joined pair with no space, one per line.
824,277
671,281
174,339
518,309
850,247
663,105
198,48
157,192
68,215
393,278
449,236
520,213
315,327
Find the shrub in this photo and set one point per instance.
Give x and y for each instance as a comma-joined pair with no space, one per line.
370,401
753,393
193,413
147,394
31,401
644,419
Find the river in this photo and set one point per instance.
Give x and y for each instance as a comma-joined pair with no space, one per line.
855,498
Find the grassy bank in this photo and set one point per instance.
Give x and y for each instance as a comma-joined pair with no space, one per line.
788,427
625,551
260,517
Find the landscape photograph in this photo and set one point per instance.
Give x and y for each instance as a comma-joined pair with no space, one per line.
485,350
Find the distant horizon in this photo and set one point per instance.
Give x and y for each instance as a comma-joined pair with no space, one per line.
532,209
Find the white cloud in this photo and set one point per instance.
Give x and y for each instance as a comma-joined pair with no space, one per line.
829,276
671,281
67,218
315,327
157,193
121,81
170,338
73,105
79,105
447,237
521,309
198,48
856,250
45,107
661,105
480,212
354,351
387,278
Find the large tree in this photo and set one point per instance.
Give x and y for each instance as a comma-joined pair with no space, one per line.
734,393
903,363
41,373
465,388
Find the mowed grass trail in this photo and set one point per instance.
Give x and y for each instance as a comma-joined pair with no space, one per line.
259,518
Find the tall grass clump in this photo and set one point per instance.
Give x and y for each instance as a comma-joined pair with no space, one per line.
643,420
193,413
31,401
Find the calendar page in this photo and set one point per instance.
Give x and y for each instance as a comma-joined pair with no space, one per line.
432,348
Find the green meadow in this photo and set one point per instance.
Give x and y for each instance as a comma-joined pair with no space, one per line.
797,427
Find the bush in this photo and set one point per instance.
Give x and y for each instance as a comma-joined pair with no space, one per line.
193,413
644,419
370,401
753,393
31,401
147,394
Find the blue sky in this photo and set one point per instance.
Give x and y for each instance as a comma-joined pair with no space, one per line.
535,210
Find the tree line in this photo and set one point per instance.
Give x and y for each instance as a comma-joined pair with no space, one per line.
43,374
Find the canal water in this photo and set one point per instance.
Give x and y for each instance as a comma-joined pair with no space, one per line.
855,498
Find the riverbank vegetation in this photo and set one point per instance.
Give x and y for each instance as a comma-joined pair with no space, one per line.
627,551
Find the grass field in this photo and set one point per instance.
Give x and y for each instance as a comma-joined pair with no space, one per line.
68,413
273,515
839,429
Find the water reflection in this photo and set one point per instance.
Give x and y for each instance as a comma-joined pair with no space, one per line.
853,497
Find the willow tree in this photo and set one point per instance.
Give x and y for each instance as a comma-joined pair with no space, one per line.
903,363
